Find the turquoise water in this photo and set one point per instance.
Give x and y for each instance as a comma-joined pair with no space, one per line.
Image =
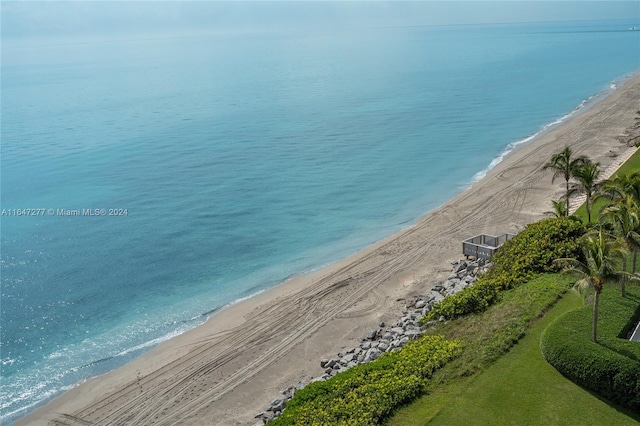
242,160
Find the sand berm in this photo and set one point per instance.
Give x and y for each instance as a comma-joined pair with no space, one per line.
227,370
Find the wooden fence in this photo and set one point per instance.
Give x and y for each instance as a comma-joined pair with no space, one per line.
484,246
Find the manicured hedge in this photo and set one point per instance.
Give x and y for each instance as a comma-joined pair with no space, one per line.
610,368
365,394
529,253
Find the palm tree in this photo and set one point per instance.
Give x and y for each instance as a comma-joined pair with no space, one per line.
563,164
559,209
620,186
624,218
587,175
602,254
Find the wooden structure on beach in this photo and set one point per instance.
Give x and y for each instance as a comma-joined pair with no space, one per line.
484,246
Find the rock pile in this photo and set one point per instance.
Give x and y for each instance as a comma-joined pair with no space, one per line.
387,338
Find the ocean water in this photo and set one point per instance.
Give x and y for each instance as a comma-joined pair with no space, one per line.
236,161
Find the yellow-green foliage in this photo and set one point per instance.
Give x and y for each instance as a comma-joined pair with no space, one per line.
531,252
366,394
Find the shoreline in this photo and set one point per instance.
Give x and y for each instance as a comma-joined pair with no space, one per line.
232,365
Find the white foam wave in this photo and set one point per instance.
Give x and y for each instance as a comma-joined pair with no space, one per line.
583,106
153,342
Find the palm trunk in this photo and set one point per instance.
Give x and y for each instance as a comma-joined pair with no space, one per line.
588,207
623,278
567,194
635,257
596,300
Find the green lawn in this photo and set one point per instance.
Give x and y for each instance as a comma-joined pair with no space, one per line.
520,388
633,163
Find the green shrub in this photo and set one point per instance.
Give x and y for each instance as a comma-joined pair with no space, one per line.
611,367
528,254
367,393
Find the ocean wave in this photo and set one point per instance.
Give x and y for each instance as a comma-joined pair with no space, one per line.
582,107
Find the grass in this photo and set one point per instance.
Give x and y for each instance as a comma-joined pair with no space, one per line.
484,387
611,367
632,164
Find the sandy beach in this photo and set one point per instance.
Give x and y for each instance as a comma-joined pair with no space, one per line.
227,370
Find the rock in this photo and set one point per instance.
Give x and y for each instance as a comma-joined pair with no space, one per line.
274,402
317,379
323,363
288,392
397,330
430,323
365,345
348,358
381,325
420,304
328,370
442,318
268,417
383,346
372,335
351,350
435,297
460,266
279,406
331,363
373,353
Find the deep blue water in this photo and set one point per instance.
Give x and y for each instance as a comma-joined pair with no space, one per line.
242,160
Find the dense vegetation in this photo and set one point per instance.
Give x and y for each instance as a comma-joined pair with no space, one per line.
611,367
529,253
367,393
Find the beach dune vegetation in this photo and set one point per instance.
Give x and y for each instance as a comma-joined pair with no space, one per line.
366,394
520,259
